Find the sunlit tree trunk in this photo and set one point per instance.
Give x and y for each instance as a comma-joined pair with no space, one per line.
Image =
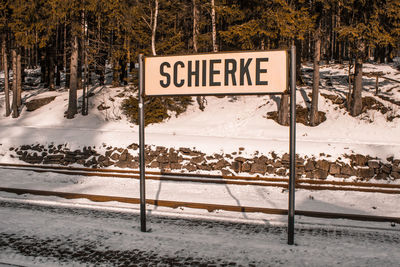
214,27
14,84
195,26
19,79
73,84
154,30
314,118
283,113
356,98
6,80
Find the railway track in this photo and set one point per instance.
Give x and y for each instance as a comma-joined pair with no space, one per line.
181,177
307,184
206,206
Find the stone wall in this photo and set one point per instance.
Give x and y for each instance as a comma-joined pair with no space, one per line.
190,160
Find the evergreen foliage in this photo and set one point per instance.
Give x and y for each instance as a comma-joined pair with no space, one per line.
117,31
156,109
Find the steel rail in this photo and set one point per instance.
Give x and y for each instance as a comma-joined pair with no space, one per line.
217,179
206,206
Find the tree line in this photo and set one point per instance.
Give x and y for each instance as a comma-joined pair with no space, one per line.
78,38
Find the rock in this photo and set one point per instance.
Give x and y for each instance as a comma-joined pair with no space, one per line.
190,167
101,158
366,172
347,170
374,164
323,165
108,153
300,170
173,157
163,159
122,164
114,156
185,150
197,160
309,174
25,147
270,169
124,155
38,103
359,160
107,162
220,164
240,159
309,167
281,171
334,169
258,168
395,175
286,158
382,176
386,168
277,164
176,166
204,167
133,146
226,172
395,168
261,160
133,165
246,167
320,174
236,166
164,166
33,158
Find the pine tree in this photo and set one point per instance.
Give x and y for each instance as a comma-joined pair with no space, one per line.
362,27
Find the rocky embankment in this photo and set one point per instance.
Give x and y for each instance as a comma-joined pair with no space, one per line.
190,160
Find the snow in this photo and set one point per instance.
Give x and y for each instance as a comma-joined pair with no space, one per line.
226,125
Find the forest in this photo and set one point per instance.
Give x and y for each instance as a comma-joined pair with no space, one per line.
81,38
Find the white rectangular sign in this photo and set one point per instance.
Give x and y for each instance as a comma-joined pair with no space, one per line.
217,73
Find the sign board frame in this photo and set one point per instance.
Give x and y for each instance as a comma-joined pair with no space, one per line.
226,59
290,88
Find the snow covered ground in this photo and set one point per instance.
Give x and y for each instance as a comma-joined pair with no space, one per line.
225,125
80,235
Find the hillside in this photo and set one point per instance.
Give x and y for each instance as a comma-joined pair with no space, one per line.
229,125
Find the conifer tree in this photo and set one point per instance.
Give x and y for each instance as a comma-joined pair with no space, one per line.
362,27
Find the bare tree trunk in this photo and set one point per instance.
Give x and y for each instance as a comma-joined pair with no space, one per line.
348,96
19,79
65,48
299,49
200,99
154,30
6,80
283,112
195,26
51,68
80,64
356,99
314,118
14,84
214,27
72,103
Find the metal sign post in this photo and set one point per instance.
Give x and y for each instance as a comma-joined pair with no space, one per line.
236,73
141,148
292,146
